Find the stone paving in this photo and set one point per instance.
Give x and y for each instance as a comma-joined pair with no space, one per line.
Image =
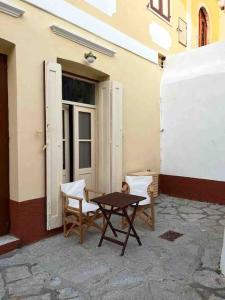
186,269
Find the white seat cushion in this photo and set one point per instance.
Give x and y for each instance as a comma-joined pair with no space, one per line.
86,206
139,187
76,189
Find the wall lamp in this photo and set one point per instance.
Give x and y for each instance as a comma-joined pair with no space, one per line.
90,57
221,4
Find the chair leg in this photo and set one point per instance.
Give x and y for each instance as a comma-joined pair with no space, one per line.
103,223
124,221
153,216
64,228
81,229
147,215
81,235
91,222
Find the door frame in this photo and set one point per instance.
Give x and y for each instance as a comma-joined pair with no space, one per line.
93,140
88,106
4,148
65,139
203,11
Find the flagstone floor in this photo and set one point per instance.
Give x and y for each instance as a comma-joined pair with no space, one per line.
186,269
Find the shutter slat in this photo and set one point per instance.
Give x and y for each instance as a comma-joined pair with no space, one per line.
53,112
104,137
110,143
117,136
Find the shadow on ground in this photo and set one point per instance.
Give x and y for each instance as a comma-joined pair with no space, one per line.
186,269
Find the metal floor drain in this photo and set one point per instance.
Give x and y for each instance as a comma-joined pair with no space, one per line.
170,235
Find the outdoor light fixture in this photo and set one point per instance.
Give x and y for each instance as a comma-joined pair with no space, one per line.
221,4
90,57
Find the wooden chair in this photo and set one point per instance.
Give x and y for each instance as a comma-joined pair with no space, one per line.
79,213
142,186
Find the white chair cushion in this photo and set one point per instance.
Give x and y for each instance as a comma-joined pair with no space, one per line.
139,187
86,206
76,189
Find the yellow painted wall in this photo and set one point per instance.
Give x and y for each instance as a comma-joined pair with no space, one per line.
222,25
213,11
34,42
134,18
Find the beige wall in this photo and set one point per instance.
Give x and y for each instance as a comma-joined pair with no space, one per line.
222,25
133,18
9,49
36,43
213,11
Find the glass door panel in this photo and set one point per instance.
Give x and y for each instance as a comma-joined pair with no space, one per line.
84,126
78,90
85,155
84,145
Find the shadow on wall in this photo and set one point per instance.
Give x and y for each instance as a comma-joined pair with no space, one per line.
192,123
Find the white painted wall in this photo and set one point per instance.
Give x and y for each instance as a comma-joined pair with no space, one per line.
193,114
160,36
75,16
106,6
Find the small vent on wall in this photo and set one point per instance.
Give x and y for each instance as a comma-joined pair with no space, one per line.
82,40
161,61
11,9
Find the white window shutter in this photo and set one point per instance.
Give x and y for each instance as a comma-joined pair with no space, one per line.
117,135
104,137
110,150
53,107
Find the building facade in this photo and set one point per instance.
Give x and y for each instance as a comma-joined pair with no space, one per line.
67,113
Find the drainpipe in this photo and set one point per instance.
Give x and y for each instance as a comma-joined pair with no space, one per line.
222,262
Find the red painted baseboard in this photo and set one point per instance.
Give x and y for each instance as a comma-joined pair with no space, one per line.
193,188
9,247
28,220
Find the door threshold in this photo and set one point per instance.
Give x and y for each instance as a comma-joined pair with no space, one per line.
8,243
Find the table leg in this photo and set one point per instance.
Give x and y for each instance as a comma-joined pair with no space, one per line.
108,223
131,227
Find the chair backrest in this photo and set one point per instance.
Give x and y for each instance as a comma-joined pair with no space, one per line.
75,189
139,185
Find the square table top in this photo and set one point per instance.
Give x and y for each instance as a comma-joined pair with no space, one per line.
119,200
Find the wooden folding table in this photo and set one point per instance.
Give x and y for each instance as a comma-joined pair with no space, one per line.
119,203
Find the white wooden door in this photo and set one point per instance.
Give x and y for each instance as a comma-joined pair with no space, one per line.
110,136
104,137
117,136
53,112
84,145
66,143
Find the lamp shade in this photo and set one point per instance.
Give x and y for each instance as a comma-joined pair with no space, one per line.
221,3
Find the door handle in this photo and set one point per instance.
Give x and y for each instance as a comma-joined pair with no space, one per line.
44,147
179,29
